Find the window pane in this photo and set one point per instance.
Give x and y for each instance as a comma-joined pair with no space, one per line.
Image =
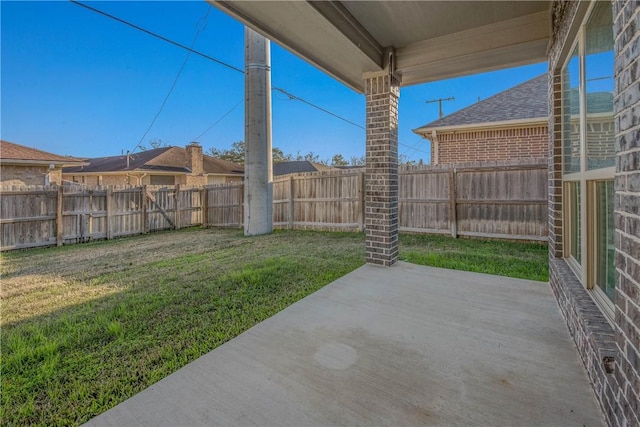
574,226
162,180
599,86
571,114
605,267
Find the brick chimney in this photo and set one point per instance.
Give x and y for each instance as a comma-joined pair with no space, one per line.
193,158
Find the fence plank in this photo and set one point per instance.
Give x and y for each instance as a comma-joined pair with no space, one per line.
178,215
109,202
143,206
453,222
204,200
59,217
292,205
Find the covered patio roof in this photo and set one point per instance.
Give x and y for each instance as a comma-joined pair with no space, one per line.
430,40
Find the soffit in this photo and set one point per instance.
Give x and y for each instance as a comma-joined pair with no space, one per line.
432,40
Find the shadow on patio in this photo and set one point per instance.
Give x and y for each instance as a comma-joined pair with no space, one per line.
404,345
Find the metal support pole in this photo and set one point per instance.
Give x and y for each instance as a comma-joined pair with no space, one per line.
258,175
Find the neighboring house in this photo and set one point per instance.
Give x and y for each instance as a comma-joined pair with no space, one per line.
297,166
160,166
509,125
20,165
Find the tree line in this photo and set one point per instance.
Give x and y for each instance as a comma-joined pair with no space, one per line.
235,154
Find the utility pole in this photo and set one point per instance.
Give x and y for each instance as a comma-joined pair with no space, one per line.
439,101
258,174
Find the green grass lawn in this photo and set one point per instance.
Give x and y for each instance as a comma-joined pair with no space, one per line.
86,326
503,258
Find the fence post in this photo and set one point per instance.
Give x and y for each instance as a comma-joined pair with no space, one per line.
145,220
361,190
291,203
204,200
59,217
109,202
453,220
241,202
178,207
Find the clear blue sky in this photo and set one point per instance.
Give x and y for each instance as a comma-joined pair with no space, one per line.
77,83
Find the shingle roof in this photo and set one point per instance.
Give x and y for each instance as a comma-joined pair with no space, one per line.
297,166
12,151
525,101
118,163
166,159
213,165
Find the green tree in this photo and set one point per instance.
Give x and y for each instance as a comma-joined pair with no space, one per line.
279,156
310,157
235,154
338,160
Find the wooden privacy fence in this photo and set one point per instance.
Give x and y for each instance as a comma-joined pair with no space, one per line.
43,216
319,201
496,201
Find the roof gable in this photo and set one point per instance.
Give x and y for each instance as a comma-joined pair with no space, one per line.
525,101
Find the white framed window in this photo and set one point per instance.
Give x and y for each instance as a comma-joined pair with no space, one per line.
588,136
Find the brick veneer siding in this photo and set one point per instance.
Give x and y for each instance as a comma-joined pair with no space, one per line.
28,175
595,338
600,133
381,188
492,144
626,24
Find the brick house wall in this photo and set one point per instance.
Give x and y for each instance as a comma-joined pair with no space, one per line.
627,208
491,144
28,175
610,352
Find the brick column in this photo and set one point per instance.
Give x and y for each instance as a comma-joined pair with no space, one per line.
381,187
626,20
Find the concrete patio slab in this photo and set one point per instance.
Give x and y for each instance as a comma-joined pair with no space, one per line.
406,345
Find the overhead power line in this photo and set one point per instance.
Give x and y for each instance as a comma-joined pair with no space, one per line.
410,147
151,33
291,96
218,121
200,26
203,55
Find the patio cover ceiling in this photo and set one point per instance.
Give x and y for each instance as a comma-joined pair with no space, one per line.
432,40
